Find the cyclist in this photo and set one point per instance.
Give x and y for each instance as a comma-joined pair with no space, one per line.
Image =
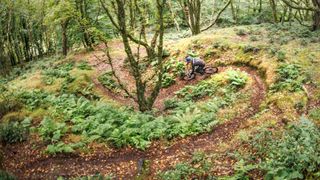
195,64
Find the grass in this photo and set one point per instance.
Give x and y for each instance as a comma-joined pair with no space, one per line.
286,57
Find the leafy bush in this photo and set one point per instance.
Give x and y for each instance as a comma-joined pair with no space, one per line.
197,168
59,148
315,114
170,103
6,176
167,80
108,81
8,105
249,48
289,78
296,155
51,131
241,32
83,65
13,132
121,126
33,99
281,56
253,38
237,79
60,71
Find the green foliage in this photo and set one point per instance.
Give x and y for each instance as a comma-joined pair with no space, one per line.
167,80
249,48
59,71
202,89
290,78
281,56
315,114
50,130
33,99
108,81
59,148
253,38
179,69
241,32
6,176
293,156
197,168
97,176
241,171
236,78
13,132
83,65
170,103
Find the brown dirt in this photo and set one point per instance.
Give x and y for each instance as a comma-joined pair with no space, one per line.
28,162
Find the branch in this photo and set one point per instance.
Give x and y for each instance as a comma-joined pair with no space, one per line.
218,16
299,20
299,8
114,73
109,15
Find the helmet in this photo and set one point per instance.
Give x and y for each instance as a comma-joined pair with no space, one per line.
188,59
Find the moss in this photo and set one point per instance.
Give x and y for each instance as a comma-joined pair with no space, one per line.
14,116
288,102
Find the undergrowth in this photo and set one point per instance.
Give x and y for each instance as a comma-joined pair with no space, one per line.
291,155
290,77
97,121
197,168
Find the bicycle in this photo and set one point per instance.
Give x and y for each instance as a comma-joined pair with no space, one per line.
207,71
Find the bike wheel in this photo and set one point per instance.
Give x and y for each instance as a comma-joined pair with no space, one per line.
211,70
189,77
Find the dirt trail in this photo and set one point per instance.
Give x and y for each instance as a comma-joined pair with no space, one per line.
124,162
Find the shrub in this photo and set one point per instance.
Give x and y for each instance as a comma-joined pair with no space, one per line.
6,176
61,147
315,114
108,81
33,99
51,131
167,80
197,168
83,65
249,48
289,78
296,155
8,105
281,56
13,132
253,38
170,103
241,32
237,79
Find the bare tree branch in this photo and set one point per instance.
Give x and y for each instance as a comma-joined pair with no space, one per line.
217,17
299,7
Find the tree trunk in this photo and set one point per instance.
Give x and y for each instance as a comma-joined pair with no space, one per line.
274,10
233,10
316,15
64,26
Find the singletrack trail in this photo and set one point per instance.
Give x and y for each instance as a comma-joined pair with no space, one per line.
26,163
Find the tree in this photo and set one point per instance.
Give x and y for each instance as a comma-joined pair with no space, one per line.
305,5
192,14
147,89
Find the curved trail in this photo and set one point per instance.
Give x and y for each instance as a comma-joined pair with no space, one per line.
124,162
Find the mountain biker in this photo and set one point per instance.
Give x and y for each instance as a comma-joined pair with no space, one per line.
197,65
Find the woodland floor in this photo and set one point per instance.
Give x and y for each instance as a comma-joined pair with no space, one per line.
26,162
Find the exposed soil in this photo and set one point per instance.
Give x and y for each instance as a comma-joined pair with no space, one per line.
28,162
